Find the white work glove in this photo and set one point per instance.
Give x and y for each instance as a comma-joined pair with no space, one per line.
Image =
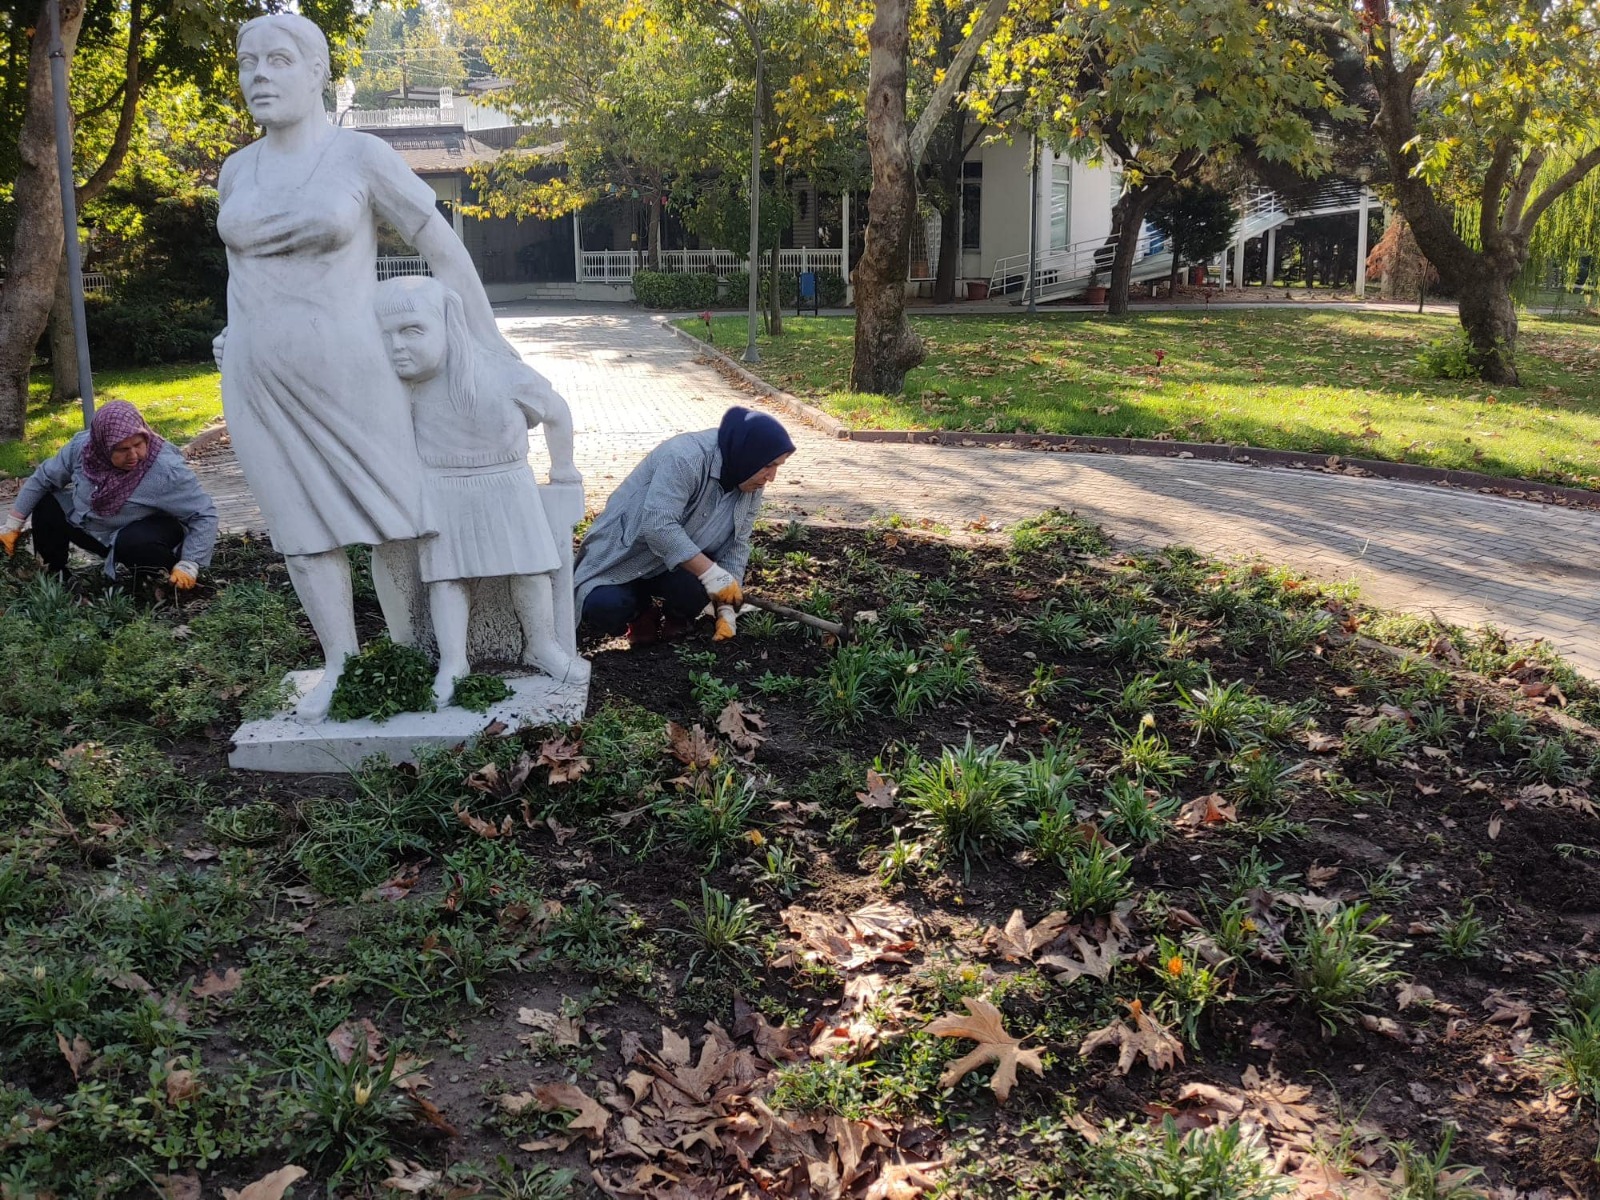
727,623
721,586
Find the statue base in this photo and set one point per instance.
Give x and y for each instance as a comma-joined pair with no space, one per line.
289,745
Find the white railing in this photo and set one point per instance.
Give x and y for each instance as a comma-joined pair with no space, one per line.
1074,265
618,266
411,264
372,118
96,281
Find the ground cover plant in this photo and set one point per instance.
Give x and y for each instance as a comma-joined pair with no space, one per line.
1351,383
177,400
1159,882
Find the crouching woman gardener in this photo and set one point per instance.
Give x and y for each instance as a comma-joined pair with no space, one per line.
121,492
677,531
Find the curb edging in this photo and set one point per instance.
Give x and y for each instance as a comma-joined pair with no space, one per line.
808,413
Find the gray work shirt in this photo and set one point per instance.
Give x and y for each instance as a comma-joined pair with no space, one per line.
670,508
169,487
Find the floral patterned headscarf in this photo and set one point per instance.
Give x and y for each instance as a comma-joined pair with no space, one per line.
115,422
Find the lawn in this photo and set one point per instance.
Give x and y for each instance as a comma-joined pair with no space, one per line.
1076,873
178,400
1336,382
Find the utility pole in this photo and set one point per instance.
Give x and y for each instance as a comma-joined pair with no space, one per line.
751,354
69,208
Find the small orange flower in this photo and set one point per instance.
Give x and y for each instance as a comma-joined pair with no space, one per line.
1175,965
755,837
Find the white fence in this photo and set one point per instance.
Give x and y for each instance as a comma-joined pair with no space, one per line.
618,266
96,281
373,118
413,264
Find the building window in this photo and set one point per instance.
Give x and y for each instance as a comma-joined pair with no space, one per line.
971,204
1060,205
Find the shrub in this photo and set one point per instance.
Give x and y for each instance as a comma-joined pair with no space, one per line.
1449,358
1157,1162
674,290
145,327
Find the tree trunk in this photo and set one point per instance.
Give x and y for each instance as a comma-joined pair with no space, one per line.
1489,316
886,346
36,250
64,382
1177,269
954,155
775,296
1127,218
655,232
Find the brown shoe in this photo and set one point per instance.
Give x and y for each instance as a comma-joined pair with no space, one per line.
674,629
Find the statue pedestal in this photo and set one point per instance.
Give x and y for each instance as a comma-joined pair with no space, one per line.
286,744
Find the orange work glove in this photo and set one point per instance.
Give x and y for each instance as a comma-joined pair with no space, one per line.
184,576
727,623
10,532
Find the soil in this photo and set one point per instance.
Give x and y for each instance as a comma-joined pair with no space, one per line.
1459,824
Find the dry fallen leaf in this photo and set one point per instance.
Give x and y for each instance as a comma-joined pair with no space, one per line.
1018,943
564,757
181,1084
1144,1036
1095,960
1205,810
489,779
76,1052
484,829
591,1118
995,1045
1319,742
219,985
345,1040
411,1177
269,1187
903,1181
1507,1010
563,1031
692,747
741,726
881,791
1407,994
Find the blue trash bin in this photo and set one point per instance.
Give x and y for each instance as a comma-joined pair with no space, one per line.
807,295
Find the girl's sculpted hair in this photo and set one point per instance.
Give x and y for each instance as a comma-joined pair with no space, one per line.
425,295
303,32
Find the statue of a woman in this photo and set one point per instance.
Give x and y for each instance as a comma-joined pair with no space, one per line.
319,421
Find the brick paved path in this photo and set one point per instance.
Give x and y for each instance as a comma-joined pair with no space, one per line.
1531,570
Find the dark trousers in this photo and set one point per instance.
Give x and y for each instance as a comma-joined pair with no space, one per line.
152,543
612,606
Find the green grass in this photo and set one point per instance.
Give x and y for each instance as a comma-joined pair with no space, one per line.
1327,381
178,400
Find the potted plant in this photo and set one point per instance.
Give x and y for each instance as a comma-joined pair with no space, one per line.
1095,293
977,289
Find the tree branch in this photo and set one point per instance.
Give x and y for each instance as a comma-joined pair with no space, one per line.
1494,184
120,141
1565,183
1527,176
955,78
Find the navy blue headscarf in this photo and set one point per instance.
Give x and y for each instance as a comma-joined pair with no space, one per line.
748,441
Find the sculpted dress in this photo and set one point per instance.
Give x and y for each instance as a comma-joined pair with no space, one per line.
319,421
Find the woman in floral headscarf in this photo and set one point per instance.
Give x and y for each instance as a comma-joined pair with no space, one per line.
119,491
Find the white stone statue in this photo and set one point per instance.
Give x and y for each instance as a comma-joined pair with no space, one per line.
319,420
472,412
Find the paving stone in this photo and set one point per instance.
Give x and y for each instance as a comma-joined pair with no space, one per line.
1530,570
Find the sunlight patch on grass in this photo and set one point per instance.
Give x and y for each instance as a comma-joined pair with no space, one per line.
1316,380
178,400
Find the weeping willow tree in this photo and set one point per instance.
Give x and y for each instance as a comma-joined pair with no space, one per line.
1564,256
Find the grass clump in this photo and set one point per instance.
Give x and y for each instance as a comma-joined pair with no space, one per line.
969,798
1338,961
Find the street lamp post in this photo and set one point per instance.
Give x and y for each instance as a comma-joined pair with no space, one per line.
69,208
1033,220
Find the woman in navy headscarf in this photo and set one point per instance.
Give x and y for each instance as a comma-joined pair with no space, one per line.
677,530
